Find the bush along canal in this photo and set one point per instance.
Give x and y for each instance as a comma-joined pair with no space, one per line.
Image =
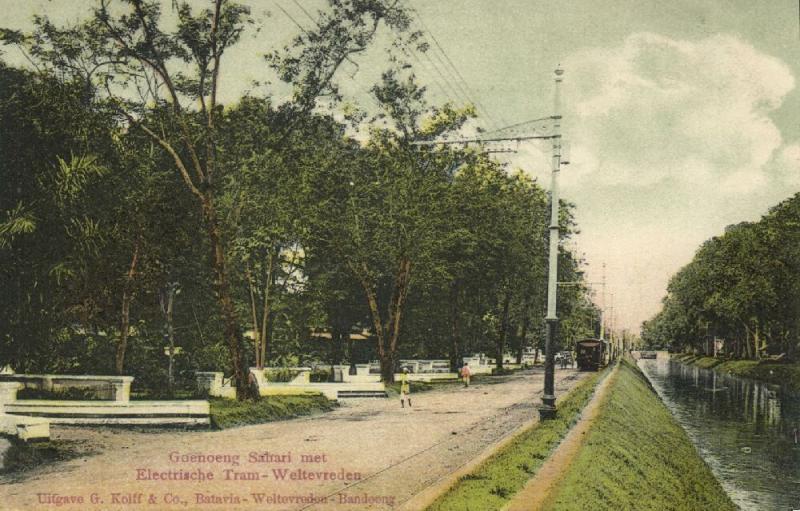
636,456
745,429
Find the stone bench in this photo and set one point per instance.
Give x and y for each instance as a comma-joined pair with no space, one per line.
115,388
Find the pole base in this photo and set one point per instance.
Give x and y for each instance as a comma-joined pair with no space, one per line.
547,413
547,410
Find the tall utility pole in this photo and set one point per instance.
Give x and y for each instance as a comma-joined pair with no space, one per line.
603,301
530,132
547,410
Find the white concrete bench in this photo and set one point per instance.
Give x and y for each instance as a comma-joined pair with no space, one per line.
115,388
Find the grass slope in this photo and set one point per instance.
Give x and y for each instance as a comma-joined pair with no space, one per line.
770,371
638,458
228,413
494,482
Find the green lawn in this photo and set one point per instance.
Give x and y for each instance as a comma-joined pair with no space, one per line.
228,413
495,481
637,457
770,371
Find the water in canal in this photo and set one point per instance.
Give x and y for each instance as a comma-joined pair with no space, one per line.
742,428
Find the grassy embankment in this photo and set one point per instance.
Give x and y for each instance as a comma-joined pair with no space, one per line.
637,457
495,481
770,371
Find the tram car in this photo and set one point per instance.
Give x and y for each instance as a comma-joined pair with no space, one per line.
592,354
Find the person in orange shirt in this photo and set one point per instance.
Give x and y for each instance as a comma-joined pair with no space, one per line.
465,374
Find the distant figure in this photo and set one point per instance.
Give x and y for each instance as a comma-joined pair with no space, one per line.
796,435
405,389
465,374
563,361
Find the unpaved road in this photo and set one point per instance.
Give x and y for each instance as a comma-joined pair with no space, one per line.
369,454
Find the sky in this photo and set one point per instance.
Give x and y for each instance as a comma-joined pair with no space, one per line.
681,117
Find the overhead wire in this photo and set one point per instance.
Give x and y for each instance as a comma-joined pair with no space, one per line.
298,25
462,83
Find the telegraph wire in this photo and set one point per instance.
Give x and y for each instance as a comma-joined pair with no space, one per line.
467,90
306,13
298,25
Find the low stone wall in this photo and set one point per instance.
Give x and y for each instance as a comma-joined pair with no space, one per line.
341,373
426,366
116,388
329,390
25,428
214,384
301,384
31,418
194,412
427,377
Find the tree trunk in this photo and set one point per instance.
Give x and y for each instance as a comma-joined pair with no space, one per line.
757,342
399,293
387,332
523,336
265,320
171,337
256,341
455,329
127,298
501,338
233,336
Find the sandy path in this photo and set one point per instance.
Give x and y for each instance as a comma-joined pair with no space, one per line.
374,455
535,493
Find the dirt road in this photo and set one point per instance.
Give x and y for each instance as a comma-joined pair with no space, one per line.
369,454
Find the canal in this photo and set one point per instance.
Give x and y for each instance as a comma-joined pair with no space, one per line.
745,430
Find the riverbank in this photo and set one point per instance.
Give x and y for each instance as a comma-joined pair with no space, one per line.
637,457
769,371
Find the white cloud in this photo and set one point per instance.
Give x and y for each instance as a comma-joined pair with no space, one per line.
692,111
672,140
786,166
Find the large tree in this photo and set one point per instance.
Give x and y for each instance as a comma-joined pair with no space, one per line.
165,81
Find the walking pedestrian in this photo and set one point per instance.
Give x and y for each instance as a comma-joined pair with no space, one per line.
465,374
405,389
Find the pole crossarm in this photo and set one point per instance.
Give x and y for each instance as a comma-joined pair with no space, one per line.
513,133
480,140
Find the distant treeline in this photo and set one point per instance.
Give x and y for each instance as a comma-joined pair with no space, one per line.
138,214
742,287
